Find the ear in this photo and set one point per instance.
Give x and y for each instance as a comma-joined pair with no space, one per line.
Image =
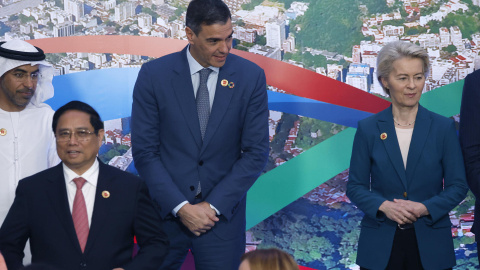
384,82
101,134
190,34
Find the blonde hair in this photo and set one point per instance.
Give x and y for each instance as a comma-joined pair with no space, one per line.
270,259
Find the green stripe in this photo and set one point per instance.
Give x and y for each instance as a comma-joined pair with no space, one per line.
288,182
445,100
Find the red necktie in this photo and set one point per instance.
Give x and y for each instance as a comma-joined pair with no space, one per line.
79,214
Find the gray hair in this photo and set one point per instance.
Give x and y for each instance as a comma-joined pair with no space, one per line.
396,50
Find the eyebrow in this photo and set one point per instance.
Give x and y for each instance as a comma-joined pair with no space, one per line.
404,74
217,39
78,128
24,71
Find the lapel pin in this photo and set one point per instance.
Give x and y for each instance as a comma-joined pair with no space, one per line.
224,83
231,85
105,194
3,132
383,136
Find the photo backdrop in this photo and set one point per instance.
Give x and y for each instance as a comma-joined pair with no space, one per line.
319,59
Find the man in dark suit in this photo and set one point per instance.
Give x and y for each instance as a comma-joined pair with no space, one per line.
470,139
199,165
82,214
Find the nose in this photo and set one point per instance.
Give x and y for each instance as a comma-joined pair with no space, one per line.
225,47
73,139
411,83
29,82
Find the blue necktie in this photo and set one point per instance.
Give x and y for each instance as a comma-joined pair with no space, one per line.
203,101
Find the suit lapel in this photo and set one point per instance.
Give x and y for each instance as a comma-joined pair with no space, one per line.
223,95
59,200
101,206
183,88
419,137
385,125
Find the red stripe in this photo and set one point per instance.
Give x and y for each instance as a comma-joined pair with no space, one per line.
290,78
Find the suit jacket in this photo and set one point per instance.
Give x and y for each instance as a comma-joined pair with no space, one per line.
470,137
41,213
435,176
167,145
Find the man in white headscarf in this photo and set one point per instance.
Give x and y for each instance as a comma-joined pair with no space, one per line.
27,143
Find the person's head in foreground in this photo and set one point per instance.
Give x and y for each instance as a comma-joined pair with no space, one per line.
268,259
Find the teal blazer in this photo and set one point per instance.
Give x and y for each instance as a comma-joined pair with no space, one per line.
435,176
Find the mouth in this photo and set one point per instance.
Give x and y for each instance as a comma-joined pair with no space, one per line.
26,93
220,58
411,95
73,153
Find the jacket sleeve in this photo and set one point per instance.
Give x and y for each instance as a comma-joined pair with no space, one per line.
151,239
14,232
254,145
358,185
470,130
454,181
146,144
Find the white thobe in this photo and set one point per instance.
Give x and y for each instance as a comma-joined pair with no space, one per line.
27,147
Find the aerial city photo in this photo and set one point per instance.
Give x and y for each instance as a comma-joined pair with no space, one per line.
337,40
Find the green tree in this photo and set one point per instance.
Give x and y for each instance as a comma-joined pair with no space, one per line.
261,40
450,49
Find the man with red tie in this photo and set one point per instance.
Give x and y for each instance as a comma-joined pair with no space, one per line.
82,214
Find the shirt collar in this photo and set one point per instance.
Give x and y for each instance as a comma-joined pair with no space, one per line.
91,175
194,65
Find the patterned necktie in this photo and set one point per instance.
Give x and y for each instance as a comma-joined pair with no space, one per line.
203,100
79,213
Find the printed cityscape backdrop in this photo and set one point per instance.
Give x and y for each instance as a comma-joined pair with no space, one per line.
325,84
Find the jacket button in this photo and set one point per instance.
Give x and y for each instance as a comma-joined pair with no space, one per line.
405,194
192,188
200,163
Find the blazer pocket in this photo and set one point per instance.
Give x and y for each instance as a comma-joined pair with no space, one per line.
442,223
368,222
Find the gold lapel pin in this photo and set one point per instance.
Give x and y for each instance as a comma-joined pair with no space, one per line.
231,85
224,83
3,132
105,194
383,136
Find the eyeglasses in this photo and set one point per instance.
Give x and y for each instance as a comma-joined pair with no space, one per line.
81,135
22,76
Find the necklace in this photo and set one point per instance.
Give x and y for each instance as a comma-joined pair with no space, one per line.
406,125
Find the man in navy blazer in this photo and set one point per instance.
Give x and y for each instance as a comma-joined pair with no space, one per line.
470,138
200,184
116,207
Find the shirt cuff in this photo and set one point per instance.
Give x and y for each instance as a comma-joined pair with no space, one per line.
176,209
216,210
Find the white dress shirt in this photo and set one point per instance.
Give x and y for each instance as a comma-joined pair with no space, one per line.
88,189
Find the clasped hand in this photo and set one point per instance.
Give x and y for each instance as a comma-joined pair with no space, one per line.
198,218
403,211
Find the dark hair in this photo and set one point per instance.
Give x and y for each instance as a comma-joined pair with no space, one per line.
206,12
76,105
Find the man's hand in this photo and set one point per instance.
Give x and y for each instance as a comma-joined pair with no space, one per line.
197,218
397,212
415,208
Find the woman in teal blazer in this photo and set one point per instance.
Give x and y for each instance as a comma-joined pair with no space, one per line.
406,172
